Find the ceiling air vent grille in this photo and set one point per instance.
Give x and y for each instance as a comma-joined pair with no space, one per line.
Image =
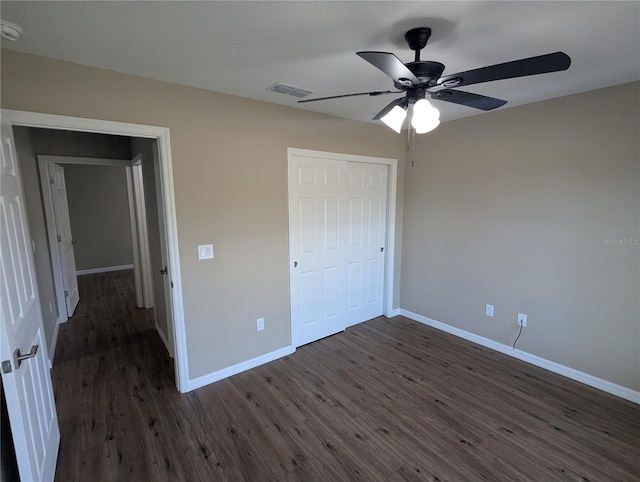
289,90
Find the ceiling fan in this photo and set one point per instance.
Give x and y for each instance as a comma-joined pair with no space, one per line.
420,78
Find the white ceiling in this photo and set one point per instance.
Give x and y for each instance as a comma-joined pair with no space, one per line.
241,48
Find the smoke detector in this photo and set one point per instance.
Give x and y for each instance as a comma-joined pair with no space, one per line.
10,31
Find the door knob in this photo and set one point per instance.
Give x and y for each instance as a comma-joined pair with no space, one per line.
18,358
295,264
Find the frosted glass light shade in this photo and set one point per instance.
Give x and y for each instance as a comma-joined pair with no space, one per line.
425,117
394,118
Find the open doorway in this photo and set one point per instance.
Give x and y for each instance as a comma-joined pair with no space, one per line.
150,146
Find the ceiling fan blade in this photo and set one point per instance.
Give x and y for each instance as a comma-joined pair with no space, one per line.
372,94
481,102
392,66
388,108
541,64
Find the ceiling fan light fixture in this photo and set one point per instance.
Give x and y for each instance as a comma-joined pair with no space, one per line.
395,118
425,117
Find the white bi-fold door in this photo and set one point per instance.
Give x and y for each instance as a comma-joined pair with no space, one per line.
337,222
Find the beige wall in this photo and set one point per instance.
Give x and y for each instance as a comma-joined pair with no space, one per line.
515,210
99,214
229,166
29,144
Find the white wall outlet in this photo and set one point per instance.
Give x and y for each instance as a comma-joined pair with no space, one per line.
205,251
522,319
260,324
489,311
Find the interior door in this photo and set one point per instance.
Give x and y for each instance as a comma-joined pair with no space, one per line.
65,238
164,250
27,383
337,213
365,199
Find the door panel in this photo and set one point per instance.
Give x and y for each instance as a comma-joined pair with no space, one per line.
165,303
28,388
331,288
65,237
368,224
338,222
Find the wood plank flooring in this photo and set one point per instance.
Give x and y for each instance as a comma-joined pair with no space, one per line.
387,400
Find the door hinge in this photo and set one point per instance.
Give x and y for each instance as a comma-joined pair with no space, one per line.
6,367
66,293
59,238
51,181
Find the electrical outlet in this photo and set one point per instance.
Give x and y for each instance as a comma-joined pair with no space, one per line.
260,324
522,319
489,311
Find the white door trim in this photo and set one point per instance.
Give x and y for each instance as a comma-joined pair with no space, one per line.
161,134
392,192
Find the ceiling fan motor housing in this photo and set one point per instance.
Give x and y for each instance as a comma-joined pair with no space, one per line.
427,72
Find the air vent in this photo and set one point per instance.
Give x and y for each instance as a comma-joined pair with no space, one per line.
289,90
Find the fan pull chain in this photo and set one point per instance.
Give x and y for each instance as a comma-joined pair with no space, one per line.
411,143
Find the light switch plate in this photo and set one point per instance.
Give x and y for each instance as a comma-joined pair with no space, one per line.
205,251
489,310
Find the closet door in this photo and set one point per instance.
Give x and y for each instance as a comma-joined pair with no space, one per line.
337,213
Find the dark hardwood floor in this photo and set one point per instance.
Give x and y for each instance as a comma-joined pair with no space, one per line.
388,400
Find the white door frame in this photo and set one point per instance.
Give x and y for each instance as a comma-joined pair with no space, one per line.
392,192
161,134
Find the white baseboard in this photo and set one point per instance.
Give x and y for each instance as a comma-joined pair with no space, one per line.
163,337
392,313
240,367
105,269
599,383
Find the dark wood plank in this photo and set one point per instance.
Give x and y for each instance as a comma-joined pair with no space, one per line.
388,400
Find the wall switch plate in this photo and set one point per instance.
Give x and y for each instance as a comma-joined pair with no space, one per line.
522,319
260,324
489,311
205,251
